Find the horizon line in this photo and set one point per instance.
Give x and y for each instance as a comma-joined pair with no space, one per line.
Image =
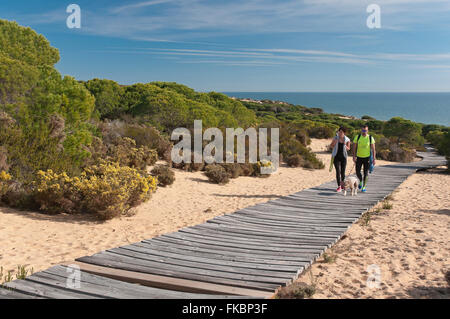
226,91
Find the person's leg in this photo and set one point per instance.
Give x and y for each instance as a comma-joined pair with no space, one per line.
358,168
337,167
366,165
343,168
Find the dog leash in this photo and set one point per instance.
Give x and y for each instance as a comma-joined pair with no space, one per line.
354,164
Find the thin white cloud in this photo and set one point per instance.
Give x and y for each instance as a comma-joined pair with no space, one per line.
278,56
138,5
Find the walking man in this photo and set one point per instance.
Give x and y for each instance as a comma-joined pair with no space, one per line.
363,150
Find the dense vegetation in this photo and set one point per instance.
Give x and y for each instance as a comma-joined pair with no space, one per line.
397,139
84,147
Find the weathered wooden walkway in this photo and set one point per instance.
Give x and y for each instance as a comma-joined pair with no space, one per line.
251,252
57,283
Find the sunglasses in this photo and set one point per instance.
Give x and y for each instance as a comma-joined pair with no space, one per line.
364,131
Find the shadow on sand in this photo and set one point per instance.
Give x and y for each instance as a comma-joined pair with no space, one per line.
82,219
429,292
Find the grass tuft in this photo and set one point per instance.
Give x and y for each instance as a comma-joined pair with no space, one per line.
387,205
329,258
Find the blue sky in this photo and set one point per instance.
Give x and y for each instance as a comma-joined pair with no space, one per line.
250,45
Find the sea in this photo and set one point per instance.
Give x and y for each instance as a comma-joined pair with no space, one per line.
428,108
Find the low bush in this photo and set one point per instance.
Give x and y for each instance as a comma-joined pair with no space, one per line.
3,159
320,131
297,290
257,168
233,169
165,175
106,190
122,150
126,153
295,160
217,174
5,179
246,169
392,151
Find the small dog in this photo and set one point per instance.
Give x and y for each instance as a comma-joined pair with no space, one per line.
352,183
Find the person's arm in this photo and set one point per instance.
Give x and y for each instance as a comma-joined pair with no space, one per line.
333,144
374,152
347,145
354,152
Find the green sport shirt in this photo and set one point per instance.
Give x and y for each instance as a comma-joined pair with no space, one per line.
363,148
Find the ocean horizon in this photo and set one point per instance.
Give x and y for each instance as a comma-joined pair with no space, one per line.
427,108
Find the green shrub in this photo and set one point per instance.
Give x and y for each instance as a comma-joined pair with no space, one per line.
108,97
164,174
322,131
150,137
217,174
126,153
3,159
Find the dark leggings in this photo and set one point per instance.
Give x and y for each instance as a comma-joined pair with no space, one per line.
362,161
340,163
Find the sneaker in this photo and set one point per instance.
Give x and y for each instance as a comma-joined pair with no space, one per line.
339,189
360,185
363,189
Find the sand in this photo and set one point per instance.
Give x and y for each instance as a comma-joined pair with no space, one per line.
40,241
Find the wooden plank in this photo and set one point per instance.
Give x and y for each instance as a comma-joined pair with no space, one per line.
179,274
271,217
202,263
251,234
199,269
294,215
12,294
261,225
170,283
233,250
41,290
208,258
243,242
299,243
263,221
110,288
262,233
300,220
284,232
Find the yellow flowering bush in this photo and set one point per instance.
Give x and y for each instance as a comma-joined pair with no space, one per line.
4,181
106,189
54,192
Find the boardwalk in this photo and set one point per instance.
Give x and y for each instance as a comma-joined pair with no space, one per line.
251,252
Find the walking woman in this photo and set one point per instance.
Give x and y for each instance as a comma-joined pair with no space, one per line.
340,146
